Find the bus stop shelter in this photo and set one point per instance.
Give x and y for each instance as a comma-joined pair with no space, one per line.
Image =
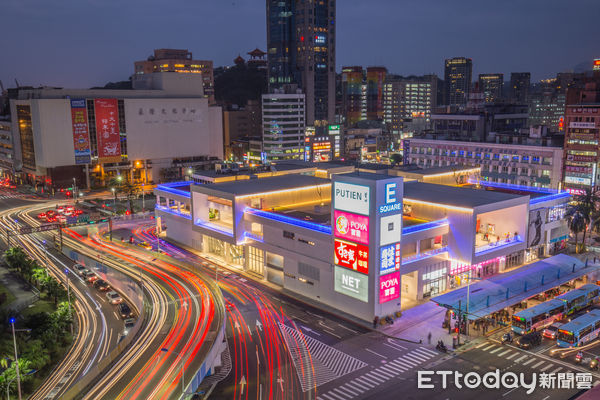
504,290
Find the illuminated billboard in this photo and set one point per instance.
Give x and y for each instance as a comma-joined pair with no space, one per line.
351,255
81,138
352,198
389,260
351,284
351,226
389,287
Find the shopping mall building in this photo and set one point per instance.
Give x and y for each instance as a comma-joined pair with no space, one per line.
367,244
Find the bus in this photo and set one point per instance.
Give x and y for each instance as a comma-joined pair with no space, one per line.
580,331
544,314
538,317
580,298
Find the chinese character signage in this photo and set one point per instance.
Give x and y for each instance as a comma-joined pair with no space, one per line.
352,198
351,255
107,130
351,284
81,137
351,226
389,287
390,259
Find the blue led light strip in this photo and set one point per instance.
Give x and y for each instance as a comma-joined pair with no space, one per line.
562,195
289,220
425,226
213,227
491,247
422,256
171,211
170,188
511,186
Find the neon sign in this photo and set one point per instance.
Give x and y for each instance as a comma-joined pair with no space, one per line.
389,287
351,226
351,255
390,259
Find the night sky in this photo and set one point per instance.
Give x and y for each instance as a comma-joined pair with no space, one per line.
82,43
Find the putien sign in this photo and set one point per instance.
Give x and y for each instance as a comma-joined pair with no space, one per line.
351,284
389,287
352,198
351,226
351,255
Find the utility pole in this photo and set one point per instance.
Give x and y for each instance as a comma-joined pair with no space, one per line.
110,228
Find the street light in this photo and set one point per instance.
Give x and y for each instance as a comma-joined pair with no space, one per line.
143,199
182,370
114,200
12,322
33,371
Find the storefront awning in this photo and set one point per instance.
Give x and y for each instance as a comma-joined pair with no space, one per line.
504,290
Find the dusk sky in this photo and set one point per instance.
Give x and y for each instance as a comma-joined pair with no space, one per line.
82,43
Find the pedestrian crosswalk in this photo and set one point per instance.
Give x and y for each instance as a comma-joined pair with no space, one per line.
516,356
368,381
316,363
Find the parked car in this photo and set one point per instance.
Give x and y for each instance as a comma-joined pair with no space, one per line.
114,297
125,310
102,285
530,340
90,277
551,331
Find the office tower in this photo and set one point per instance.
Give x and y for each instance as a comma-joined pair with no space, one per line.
352,78
491,86
457,78
283,121
375,82
301,51
519,86
408,102
174,60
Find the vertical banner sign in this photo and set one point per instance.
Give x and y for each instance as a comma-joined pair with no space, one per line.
81,137
107,130
389,287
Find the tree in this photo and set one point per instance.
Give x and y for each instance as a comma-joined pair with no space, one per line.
396,159
54,289
126,187
39,274
587,206
577,224
15,257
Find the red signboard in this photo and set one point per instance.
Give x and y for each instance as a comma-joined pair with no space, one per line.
107,130
389,287
351,255
81,138
351,226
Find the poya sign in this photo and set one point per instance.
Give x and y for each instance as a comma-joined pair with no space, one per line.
389,287
351,198
351,226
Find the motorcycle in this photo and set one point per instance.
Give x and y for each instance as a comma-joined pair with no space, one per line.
441,347
507,338
594,364
579,357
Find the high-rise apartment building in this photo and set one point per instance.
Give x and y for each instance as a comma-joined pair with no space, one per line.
283,121
491,86
519,86
301,51
457,77
174,60
547,108
375,82
352,80
408,102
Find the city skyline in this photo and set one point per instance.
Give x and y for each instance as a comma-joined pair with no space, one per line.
72,56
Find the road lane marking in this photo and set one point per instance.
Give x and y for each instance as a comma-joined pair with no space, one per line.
555,370
365,382
511,356
344,392
375,377
496,350
521,358
509,392
377,354
346,328
351,386
427,353
503,353
529,361
489,347
546,367
481,345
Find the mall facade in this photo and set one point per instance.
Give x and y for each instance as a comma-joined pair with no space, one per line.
367,244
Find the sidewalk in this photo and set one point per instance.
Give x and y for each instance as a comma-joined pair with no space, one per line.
23,292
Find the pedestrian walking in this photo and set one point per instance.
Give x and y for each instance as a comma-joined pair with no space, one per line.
429,338
375,321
